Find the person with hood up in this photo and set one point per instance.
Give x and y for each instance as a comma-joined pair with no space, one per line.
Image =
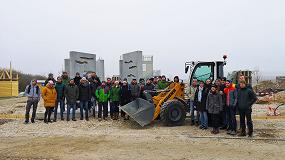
214,106
103,95
49,95
84,97
33,93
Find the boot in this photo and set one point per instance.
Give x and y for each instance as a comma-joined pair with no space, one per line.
114,116
233,133
250,133
118,117
242,133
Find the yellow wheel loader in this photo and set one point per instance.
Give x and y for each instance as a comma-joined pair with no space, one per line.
170,105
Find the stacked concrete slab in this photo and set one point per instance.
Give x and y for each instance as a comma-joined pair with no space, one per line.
84,62
134,65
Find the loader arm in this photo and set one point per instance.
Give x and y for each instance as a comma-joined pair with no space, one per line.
174,90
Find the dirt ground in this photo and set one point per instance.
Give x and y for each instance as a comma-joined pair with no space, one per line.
127,140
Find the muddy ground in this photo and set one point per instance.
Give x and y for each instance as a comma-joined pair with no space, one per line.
127,140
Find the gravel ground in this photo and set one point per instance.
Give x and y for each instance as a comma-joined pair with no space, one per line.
127,140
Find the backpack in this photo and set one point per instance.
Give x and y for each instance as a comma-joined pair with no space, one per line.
37,89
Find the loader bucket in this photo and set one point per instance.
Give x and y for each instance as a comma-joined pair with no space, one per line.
140,110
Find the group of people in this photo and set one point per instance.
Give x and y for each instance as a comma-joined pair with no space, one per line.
217,103
86,93
212,104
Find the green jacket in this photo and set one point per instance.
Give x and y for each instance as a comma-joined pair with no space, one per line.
65,81
101,96
115,94
161,85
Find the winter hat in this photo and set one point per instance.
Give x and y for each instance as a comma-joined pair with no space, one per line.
84,79
50,82
229,81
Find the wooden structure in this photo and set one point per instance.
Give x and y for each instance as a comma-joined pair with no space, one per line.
234,76
9,84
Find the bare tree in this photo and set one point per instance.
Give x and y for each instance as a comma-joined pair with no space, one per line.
257,76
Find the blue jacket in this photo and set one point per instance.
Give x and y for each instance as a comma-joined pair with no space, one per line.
33,91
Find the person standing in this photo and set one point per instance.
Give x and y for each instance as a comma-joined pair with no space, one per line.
191,95
65,78
49,95
230,108
245,99
84,97
59,87
149,87
103,95
71,92
135,90
108,86
50,78
33,93
115,100
94,84
125,98
200,102
77,79
214,105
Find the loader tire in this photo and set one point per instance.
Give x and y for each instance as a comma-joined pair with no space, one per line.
173,113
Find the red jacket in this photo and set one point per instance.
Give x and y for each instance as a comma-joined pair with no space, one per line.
227,91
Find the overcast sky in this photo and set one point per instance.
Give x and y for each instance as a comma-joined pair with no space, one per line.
36,35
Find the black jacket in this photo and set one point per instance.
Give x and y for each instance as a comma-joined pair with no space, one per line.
84,92
77,80
201,106
71,93
245,98
149,87
125,95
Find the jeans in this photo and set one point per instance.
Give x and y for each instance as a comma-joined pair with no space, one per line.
191,105
246,114
71,106
31,102
233,121
115,107
111,108
84,106
204,119
94,104
103,106
226,116
62,108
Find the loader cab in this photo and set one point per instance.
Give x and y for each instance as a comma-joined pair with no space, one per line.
204,70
